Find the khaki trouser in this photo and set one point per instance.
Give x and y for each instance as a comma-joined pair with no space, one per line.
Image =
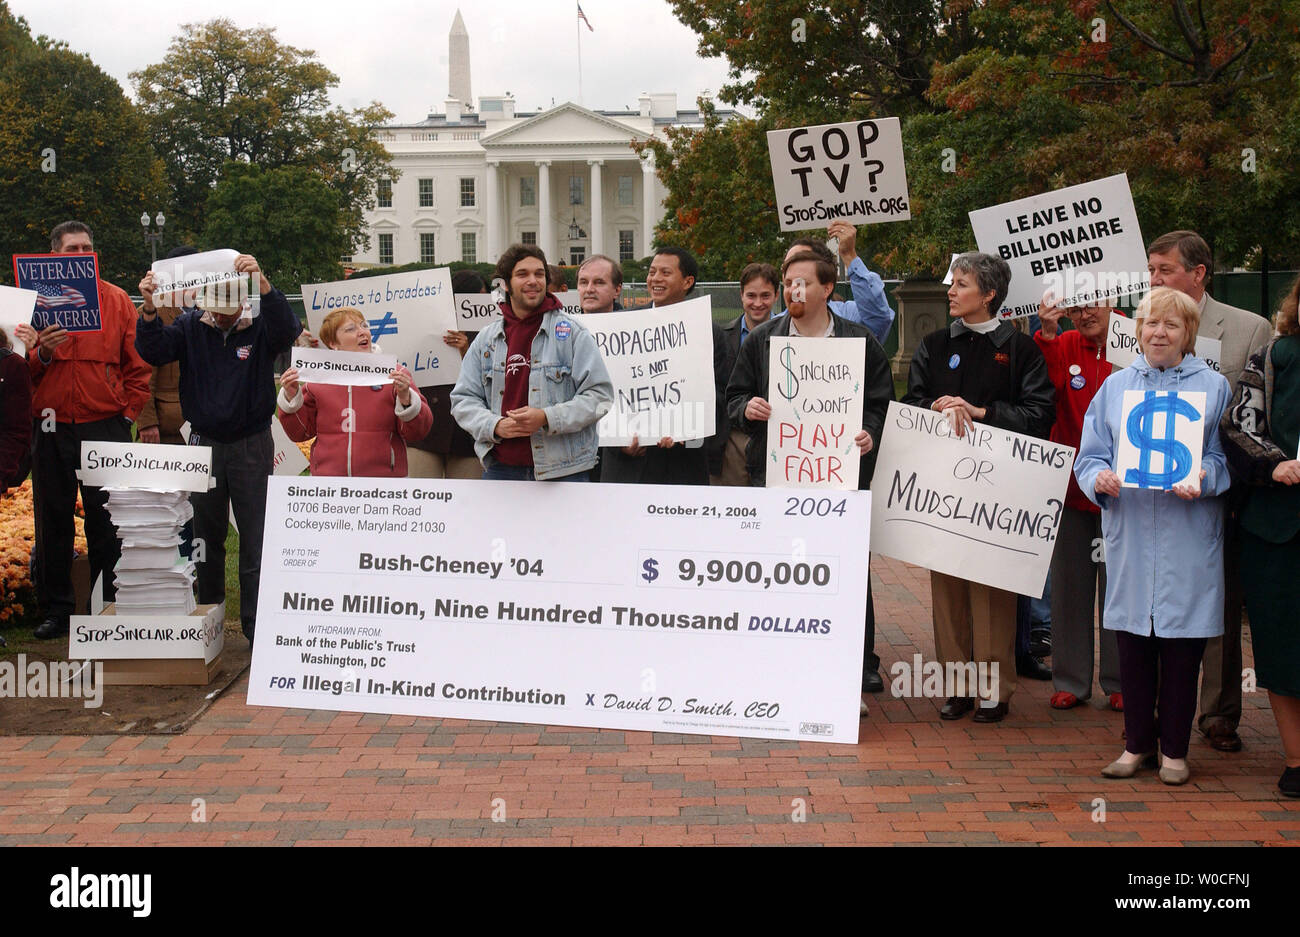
975,622
734,472
421,464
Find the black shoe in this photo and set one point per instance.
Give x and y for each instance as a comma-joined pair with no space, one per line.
1040,643
1289,783
53,627
956,707
1033,668
991,713
872,682
1223,738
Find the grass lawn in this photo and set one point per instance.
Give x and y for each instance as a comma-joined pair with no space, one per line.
232,575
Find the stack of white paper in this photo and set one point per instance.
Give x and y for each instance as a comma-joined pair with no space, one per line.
152,578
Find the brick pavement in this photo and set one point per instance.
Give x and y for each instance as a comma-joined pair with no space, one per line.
274,776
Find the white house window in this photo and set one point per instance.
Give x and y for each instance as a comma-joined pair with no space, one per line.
625,246
385,248
528,237
575,190
426,193
527,192
469,246
427,247
625,191
384,193
467,193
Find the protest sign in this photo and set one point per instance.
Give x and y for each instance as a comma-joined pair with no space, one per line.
207,280
661,363
288,459
395,596
1122,345
983,507
1082,244
67,289
852,171
475,310
322,366
145,465
408,314
1160,436
16,307
815,388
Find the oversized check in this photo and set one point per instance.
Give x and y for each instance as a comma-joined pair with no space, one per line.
717,611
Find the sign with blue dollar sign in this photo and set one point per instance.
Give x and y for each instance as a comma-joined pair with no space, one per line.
1161,434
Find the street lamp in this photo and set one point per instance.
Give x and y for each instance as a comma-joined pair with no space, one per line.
153,237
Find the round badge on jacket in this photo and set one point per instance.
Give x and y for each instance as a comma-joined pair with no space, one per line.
562,329
953,362
1078,381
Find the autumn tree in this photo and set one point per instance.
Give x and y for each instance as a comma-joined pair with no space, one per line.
1198,103
71,146
288,217
223,94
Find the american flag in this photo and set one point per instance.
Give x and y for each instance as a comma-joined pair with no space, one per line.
49,296
583,16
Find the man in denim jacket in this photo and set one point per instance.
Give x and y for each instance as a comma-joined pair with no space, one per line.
533,385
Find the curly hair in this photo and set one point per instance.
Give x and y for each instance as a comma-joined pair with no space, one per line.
1286,320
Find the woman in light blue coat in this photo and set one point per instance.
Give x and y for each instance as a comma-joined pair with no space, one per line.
1164,548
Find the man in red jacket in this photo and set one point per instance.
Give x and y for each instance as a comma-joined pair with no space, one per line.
88,386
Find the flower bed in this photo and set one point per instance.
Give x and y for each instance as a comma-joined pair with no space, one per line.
17,534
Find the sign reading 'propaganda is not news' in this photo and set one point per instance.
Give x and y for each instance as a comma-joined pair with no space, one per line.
1081,244
851,171
661,363
441,598
66,287
408,314
983,507
815,391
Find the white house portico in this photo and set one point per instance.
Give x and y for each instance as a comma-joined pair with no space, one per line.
472,182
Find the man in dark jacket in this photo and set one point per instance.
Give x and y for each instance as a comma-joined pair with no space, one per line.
227,389
749,409
759,285
670,279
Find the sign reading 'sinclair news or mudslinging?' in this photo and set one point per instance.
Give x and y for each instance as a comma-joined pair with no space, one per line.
984,507
440,598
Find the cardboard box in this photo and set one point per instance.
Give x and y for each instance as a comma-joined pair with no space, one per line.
151,650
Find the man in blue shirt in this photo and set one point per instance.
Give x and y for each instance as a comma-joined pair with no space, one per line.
868,306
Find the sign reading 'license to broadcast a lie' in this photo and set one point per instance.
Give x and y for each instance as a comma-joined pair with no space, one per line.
442,598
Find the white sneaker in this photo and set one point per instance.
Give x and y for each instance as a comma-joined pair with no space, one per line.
862,705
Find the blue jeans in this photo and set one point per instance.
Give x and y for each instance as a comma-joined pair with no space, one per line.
524,473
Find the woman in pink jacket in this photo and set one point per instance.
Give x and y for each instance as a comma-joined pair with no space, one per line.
359,430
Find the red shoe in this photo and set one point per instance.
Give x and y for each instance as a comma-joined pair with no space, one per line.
1117,702
1063,700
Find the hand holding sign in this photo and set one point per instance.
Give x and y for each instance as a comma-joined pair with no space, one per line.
1190,491
289,383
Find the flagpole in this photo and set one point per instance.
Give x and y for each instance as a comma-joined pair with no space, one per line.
578,25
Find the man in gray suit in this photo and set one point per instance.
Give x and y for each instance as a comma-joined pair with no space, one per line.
1182,260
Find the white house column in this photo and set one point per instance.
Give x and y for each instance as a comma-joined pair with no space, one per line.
546,227
649,207
597,208
492,213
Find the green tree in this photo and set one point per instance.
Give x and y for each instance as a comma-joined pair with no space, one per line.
71,146
288,217
223,94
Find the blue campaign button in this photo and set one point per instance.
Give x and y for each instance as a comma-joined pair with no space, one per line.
1078,381
562,329
953,362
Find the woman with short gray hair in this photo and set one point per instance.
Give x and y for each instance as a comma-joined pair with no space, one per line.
979,369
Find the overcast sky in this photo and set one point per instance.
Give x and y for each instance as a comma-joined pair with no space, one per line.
395,51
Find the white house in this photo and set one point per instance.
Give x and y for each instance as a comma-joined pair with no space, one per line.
474,181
